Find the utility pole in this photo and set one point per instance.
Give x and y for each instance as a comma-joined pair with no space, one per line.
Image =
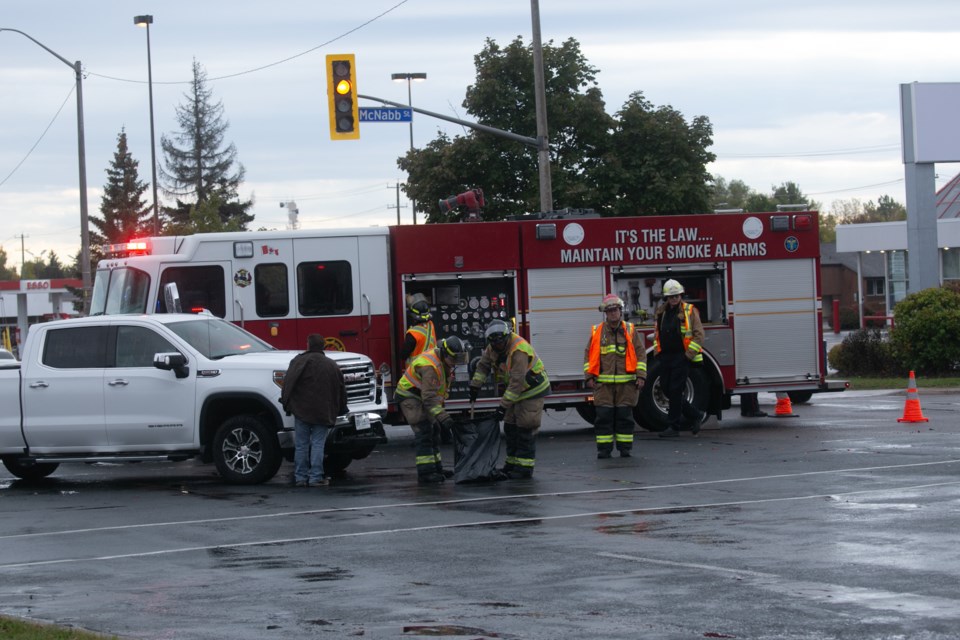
540,99
397,187
23,252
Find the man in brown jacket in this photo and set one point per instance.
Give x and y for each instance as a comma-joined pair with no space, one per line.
615,366
314,392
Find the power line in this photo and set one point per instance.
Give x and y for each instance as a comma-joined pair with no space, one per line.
30,152
271,64
811,154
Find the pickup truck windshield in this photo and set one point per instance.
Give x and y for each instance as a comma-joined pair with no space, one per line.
216,338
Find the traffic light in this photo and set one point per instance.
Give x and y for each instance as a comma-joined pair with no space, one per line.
342,95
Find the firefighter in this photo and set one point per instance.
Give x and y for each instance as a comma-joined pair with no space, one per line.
423,389
615,365
678,343
513,363
421,334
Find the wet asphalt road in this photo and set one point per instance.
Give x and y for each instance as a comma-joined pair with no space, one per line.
839,523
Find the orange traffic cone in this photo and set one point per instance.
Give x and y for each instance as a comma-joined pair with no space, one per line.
784,409
911,408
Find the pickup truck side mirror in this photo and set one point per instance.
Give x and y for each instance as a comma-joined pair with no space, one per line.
176,362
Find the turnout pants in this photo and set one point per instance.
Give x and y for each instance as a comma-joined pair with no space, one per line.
614,425
674,369
520,427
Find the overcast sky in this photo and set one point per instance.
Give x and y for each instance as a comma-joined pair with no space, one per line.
807,91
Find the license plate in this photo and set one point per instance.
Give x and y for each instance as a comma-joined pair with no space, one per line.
361,421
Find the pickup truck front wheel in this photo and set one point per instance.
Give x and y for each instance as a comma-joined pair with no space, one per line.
246,451
35,471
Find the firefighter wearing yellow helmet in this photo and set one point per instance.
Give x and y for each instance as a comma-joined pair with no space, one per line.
615,366
678,343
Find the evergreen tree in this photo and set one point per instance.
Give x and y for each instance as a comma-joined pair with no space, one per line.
198,165
125,212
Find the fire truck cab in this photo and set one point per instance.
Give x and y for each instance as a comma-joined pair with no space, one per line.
754,278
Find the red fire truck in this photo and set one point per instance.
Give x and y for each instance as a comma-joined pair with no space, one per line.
755,278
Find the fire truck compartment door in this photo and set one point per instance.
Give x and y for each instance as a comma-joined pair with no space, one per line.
562,307
775,320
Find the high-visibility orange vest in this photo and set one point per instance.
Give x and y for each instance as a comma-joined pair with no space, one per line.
596,350
688,342
425,336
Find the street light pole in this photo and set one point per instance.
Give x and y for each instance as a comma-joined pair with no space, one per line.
146,21
81,152
400,77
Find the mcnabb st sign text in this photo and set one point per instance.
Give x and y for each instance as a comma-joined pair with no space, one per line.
385,114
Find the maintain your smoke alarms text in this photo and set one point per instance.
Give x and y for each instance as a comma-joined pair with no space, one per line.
641,245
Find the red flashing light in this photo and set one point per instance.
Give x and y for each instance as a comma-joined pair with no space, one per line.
802,222
131,248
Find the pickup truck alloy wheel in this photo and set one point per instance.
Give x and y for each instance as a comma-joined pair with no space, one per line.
246,451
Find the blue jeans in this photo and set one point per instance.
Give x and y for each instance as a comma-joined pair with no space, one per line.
308,459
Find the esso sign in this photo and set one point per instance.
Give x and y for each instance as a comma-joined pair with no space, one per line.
35,285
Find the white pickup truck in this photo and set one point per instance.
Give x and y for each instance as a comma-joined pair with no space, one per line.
166,387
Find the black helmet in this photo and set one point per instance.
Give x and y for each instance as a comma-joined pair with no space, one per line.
497,333
452,347
419,312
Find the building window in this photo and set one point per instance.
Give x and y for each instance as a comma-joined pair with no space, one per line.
874,286
897,276
950,262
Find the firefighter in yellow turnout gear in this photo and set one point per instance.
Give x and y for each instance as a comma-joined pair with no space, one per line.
422,391
615,366
514,364
678,344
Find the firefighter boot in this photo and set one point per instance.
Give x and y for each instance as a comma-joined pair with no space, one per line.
603,427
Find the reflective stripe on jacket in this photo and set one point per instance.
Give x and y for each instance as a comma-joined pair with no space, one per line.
598,349
686,330
411,384
531,382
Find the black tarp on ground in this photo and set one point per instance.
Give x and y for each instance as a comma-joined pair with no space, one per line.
476,448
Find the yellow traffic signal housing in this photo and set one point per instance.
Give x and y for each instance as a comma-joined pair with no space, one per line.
342,96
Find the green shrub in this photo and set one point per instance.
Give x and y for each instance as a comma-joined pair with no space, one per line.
926,330
864,353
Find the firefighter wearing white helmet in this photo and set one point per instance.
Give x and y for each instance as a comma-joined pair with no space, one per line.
615,366
678,344
422,391
515,365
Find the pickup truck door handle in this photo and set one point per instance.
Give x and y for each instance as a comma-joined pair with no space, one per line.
120,382
40,384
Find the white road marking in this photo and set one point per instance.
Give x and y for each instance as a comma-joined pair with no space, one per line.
463,525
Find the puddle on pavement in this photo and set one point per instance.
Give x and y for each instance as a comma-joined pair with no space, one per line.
448,630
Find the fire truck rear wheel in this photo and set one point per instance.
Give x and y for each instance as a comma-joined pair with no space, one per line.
245,451
587,411
651,412
800,397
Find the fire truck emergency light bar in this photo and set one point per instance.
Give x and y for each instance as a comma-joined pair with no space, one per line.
132,248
